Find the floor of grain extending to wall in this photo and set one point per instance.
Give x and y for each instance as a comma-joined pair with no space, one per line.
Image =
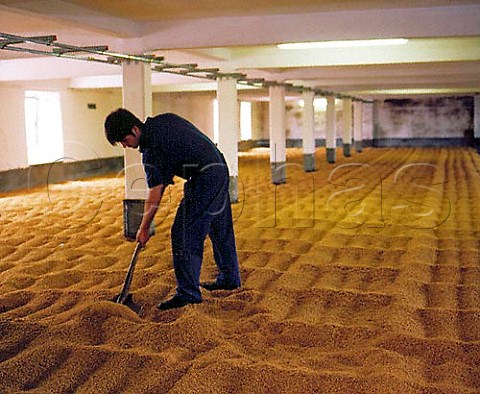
361,277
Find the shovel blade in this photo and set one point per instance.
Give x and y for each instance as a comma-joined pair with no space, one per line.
128,302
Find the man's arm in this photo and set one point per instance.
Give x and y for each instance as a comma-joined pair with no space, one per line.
151,205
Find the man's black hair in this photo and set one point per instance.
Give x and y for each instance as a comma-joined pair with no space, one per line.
119,124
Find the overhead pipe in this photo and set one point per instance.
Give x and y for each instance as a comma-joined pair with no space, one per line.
66,51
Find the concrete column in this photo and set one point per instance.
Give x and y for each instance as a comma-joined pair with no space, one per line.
331,123
476,120
228,129
278,154
357,125
308,131
375,125
137,98
347,126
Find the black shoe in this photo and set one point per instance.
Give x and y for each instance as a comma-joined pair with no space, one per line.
176,301
210,286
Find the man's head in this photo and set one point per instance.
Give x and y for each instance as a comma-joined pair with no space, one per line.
123,127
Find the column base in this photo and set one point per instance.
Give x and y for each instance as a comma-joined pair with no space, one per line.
358,146
476,142
346,150
309,162
132,218
233,189
278,171
331,155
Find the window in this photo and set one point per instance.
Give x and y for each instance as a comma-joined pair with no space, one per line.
43,126
319,104
245,120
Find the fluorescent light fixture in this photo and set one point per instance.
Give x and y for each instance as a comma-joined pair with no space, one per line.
392,92
343,44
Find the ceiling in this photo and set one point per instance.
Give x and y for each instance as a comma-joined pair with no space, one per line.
442,55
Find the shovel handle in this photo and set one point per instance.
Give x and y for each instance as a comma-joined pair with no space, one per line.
122,297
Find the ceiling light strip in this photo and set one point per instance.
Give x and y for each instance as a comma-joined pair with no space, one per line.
343,44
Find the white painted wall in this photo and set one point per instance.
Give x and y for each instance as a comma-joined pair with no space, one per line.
257,120
84,136
476,115
295,121
12,129
367,122
443,117
195,107
83,128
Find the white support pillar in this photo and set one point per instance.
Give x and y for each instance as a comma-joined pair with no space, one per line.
308,131
278,154
476,120
357,125
375,125
137,98
228,128
331,124
347,126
